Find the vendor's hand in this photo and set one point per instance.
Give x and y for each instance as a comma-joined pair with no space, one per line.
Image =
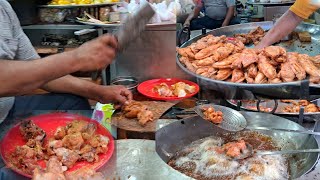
186,24
118,95
96,54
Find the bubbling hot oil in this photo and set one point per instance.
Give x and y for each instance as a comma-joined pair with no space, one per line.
200,161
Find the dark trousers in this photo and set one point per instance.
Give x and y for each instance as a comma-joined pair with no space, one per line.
26,105
208,23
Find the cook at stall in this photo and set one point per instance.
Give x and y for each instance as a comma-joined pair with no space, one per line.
299,11
22,71
218,13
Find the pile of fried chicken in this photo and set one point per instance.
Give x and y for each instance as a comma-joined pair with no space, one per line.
179,89
77,141
294,106
254,36
138,110
211,115
219,58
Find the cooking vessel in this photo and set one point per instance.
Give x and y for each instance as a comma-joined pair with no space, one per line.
287,90
177,135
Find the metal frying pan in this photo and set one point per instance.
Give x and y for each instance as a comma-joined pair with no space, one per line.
175,136
288,90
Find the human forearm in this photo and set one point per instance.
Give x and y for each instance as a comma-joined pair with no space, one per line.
73,85
284,26
229,16
195,13
19,77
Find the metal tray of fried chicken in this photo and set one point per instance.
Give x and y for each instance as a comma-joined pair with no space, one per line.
280,107
284,90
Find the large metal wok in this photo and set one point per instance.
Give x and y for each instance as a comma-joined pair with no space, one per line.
175,136
294,90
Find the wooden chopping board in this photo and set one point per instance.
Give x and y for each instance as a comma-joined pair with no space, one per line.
157,107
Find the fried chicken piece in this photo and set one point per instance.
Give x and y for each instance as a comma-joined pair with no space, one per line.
233,149
303,102
223,74
205,62
60,133
260,78
190,66
163,90
24,158
274,52
133,108
76,127
144,117
226,63
249,79
275,80
287,100
315,79
248,57
256,168
89,131
237,76
207,51
88,153
311,108
99,142
53,144
67,156
206,71
186,52
252,70
266,68
223,52
29,130
73,141
308,65
286,73
296,67
181,89
54,171
84,173
213,116
316,60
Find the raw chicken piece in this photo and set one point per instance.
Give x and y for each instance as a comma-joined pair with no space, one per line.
286,73
60,133
237,76
145,116
266,68
67,157
308,65
73,141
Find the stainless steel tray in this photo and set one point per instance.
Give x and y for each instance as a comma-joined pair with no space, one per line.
116,25
269,3
288,90
269,104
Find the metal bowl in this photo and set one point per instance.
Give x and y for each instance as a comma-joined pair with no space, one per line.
131,83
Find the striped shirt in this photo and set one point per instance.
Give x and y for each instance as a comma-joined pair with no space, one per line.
14,45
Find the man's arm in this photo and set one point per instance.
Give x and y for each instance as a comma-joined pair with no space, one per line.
84,88
195,13
229,16
19,77
284,26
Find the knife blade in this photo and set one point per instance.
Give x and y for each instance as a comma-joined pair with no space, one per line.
133,26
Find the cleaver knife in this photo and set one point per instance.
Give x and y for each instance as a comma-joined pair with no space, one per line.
133,26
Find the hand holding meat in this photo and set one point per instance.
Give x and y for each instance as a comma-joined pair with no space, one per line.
119,95
96,54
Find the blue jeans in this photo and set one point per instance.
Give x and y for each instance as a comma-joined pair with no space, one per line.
208,23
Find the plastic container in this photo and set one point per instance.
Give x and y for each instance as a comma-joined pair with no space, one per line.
103,113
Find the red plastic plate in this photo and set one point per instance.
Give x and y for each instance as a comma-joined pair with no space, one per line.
49,123
146,87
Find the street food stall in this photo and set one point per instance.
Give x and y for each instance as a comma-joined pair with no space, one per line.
208,107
